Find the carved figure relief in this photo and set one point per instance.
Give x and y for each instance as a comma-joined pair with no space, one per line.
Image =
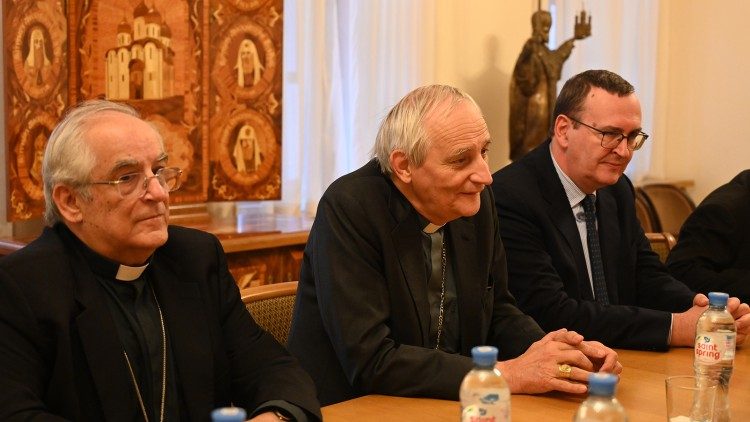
249,66
244,100
35,36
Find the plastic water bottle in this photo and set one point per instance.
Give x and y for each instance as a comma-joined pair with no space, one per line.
715,342
601,405
484,394
229,414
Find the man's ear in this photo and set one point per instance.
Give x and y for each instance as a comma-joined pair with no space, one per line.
562,125
67,201
400,166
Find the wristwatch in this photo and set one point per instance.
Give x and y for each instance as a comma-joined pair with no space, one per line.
282,416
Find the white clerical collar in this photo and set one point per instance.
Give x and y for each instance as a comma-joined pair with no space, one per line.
432,228
126,273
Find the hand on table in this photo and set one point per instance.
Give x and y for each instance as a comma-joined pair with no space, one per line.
543,366
683,323
741,313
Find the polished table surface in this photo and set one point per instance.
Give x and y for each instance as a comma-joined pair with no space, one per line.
641,391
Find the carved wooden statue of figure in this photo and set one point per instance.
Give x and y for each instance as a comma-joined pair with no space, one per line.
533,88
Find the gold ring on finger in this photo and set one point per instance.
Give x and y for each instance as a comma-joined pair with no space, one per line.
564,369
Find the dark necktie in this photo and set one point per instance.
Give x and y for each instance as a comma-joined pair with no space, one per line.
595,252
436,287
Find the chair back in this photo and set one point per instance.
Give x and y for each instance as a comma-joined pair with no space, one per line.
272,307
645,212
661,243
672,205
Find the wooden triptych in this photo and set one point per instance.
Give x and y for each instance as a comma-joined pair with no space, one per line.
206,74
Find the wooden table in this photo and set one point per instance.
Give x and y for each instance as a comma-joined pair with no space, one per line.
641,391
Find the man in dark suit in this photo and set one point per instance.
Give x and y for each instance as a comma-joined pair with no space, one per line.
577,256
404,271
713,251
113,315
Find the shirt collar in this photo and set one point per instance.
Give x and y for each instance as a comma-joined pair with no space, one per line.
105,267
572,191
427,227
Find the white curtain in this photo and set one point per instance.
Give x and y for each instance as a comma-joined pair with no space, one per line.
624,40
346,62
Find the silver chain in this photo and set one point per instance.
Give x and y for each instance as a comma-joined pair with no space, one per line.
163,365
442,293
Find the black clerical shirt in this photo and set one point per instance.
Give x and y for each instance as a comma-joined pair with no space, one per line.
134,310
449,338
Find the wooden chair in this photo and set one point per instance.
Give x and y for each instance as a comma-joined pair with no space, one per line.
661,243
672,205
645,212
272,307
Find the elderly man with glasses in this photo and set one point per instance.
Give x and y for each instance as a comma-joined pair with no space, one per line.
114,315
577,255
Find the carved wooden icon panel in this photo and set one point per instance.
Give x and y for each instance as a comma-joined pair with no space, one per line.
36,83
149,55
207,75
245,99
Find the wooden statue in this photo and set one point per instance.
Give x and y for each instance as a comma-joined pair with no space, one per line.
533,87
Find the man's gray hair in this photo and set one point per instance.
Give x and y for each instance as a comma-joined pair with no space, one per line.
68,159
403,127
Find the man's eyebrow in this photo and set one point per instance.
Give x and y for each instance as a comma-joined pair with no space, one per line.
135,163
123,164
459,152
618,129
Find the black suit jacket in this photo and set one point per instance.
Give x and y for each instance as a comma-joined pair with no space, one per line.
60,356
547,268
713,250
361,322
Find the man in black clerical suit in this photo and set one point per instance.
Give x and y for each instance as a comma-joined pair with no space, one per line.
404,271
113,315
577,255
713,250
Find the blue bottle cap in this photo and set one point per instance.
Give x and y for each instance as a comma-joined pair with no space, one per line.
602,384
718,299
229,414
484,355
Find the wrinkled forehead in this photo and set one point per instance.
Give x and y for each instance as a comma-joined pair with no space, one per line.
455,120
449,108
111,134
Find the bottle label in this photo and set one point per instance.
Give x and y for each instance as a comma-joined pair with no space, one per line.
714,347
489,405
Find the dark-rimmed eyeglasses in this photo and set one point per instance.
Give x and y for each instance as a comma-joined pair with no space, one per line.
137,183
610,140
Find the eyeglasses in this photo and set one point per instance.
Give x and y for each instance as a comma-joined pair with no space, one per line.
610,140
127,184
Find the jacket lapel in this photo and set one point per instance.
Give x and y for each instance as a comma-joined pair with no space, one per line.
407,242
561,215
470,283
102,346
185,320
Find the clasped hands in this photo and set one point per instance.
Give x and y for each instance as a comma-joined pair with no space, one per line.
561,361
684,323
